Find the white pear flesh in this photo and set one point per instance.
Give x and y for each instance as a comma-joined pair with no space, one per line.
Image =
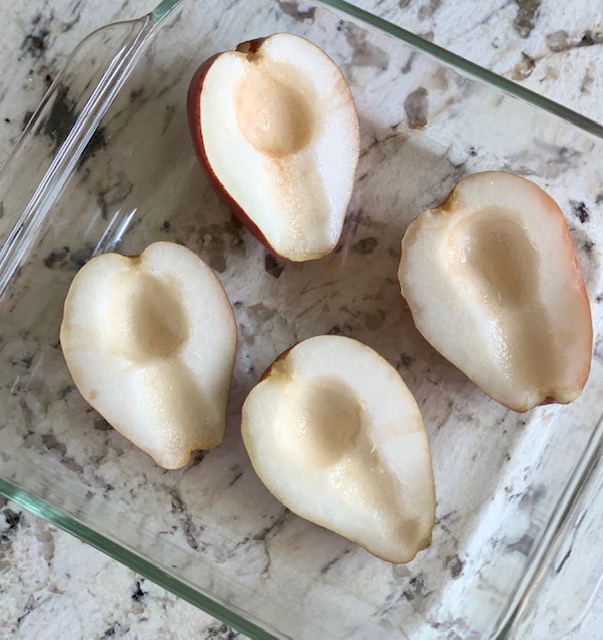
150,343
493,282
337,437
276,127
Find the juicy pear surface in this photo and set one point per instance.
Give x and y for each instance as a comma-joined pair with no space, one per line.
493,283
337,437
275,125
150,343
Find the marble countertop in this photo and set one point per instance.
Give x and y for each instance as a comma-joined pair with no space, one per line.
52,585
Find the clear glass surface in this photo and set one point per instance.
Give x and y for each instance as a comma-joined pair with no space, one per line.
107,164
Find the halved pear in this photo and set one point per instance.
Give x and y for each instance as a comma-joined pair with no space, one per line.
337,437
493,282
275,126
150,342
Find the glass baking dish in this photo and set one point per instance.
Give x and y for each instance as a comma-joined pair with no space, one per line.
106,164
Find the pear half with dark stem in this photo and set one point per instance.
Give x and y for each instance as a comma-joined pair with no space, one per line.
337,437
275,126
493,282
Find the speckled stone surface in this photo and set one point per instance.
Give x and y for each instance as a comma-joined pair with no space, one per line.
52,585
